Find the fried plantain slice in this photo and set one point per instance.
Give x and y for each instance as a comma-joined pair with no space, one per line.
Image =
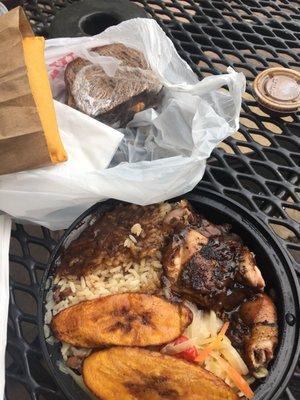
132,373
127,319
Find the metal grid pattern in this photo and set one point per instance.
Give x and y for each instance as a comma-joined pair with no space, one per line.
26,374
258,166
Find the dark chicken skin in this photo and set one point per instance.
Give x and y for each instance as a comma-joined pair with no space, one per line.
259,315
216,272
208,265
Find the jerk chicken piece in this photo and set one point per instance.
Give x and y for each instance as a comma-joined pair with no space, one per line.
183,215
260,317
183,247
211,267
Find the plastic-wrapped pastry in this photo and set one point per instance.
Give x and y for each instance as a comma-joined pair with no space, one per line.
113,100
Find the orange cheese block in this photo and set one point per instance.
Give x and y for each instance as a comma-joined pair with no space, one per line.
33,48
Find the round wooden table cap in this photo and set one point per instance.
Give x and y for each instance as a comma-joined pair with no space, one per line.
278,89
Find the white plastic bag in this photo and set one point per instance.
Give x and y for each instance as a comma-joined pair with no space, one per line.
5,229
167,161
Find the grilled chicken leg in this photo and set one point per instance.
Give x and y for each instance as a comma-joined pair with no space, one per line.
259,314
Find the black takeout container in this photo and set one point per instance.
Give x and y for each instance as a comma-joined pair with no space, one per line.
274,262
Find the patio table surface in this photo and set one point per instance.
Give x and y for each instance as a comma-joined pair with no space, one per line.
258,166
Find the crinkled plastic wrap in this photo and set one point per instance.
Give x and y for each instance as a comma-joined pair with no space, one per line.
164,151
114,100
112,94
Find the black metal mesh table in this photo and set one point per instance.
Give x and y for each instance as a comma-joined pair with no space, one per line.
258,166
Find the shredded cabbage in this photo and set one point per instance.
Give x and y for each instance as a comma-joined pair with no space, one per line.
200,333
233,357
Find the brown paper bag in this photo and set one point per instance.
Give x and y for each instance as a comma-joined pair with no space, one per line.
22,140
